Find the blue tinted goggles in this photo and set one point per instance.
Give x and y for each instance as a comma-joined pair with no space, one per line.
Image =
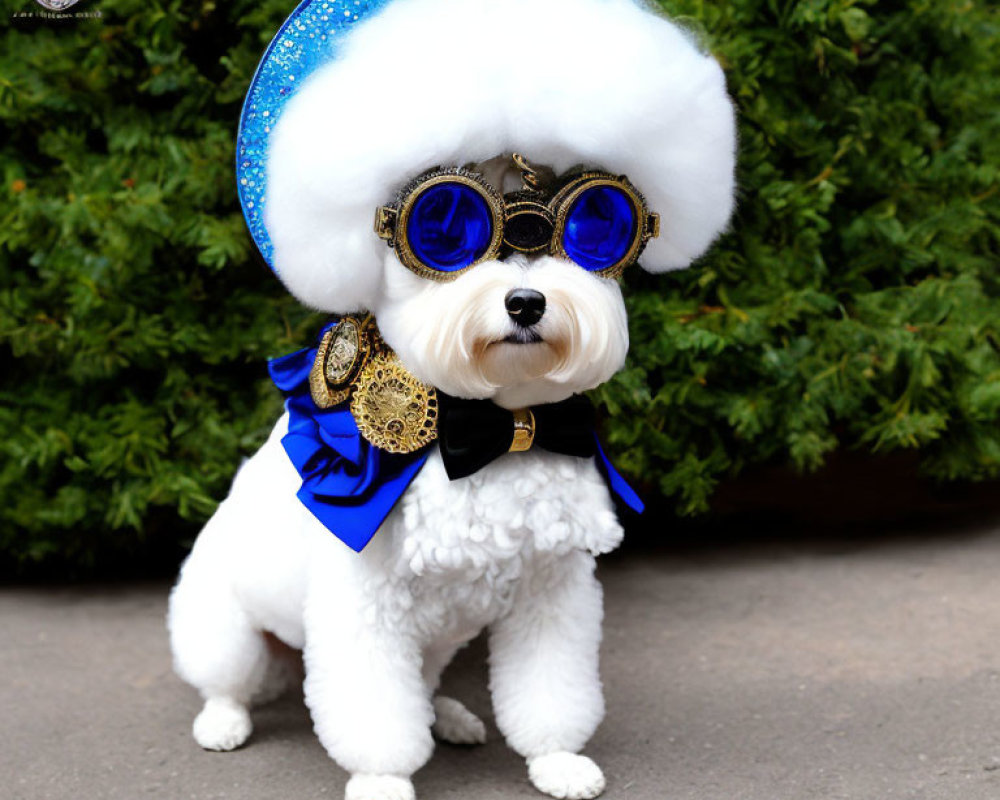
448,220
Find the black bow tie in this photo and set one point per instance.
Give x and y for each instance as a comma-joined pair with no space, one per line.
474,432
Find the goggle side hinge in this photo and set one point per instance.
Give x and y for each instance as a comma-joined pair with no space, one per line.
385,223
652,226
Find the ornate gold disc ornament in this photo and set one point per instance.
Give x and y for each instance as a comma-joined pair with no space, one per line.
341,353
392,409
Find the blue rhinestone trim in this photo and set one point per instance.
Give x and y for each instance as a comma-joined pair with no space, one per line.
309,38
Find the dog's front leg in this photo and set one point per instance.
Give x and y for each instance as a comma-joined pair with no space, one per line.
364,688
544,674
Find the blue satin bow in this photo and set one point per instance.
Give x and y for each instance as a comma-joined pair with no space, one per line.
349,484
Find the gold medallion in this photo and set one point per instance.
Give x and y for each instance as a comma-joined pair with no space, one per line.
339,356
343,352
393,410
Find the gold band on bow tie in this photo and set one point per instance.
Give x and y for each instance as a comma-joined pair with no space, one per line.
524,430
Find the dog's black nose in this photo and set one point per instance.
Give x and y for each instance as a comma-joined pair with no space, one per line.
525,306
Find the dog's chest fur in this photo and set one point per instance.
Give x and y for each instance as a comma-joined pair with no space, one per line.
448,561
460,550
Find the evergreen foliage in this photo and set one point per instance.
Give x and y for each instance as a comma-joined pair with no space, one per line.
853,304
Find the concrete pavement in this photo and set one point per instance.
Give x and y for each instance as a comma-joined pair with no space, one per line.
769,670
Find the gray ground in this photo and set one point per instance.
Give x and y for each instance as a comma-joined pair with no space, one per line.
792,670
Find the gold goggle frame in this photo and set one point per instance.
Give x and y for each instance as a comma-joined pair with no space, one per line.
513,215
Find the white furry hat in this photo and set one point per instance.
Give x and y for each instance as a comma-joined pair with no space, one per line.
606,84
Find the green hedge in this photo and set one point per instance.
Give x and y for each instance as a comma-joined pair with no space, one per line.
853,304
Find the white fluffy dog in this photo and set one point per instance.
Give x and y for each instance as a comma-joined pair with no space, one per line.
423,83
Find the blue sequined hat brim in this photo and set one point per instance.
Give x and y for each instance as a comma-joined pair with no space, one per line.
308,39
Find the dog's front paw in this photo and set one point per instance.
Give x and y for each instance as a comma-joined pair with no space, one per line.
454,723
379,787
566,775
223,724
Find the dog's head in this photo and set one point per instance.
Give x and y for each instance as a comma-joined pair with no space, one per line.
575,86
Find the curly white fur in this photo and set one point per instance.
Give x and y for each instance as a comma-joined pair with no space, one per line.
510,548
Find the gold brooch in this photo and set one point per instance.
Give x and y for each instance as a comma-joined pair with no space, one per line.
392,409
342,352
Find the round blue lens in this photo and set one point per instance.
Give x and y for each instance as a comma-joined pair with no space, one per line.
600,228
450,226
